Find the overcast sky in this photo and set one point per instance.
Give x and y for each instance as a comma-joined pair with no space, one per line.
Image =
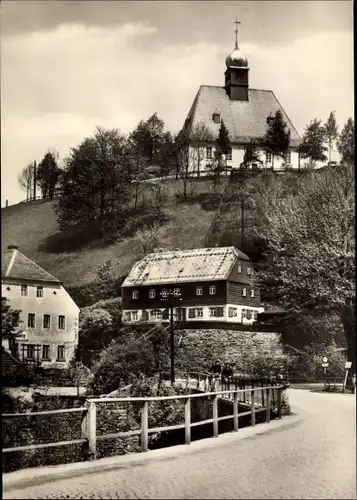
68,66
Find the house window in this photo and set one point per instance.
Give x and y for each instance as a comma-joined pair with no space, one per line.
268,157
39,292
239,268
61,322
134,315
30,351
195,313
199,290
220,311
209,153
249,314
127,316
212,290
244,292
229,154
135,295
216,118
31,320
213,311
192,313
249,271
156,314
46,352
15,317
252,293
177,292
24,290
164,293
232,312
46,321
151,294
287,157
60,353
199,312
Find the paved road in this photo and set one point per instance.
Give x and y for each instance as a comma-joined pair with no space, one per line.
309,455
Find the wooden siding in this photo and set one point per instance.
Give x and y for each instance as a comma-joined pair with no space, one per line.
242,277
234,294
188,294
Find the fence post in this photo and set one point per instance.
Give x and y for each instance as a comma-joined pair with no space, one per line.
198,381
188,421
268,405
89,430
215,416
235,411
279,402
252,406
144,426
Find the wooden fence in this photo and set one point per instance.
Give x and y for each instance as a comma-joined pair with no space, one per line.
88,413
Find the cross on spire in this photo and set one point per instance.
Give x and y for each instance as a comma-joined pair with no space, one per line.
236,22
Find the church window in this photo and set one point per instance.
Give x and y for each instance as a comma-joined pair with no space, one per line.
216,117
268,156
287,157
209,152
229,154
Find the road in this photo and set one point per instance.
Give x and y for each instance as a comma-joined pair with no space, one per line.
311,454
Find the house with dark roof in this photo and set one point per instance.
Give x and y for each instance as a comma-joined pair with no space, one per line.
47,327
204,284
245,112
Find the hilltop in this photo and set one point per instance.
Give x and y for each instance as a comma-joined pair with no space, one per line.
73,256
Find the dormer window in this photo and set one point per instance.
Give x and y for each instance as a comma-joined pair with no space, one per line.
249,271
151,294
135,295
216,118
212,290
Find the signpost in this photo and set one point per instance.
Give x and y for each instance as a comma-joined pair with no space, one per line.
348,365
324,365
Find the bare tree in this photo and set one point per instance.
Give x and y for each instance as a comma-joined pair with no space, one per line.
25,180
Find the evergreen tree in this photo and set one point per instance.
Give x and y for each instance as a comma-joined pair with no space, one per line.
251,154
346,143
223,146
313,143
331,132
47,174
277,137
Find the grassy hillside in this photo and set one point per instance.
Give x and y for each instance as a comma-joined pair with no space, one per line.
73,256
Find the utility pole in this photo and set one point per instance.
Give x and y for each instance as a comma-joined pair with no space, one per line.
170,295
34,180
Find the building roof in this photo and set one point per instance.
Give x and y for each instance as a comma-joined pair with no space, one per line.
15,265
245,120
184,266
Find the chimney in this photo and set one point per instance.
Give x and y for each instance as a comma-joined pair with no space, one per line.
12,247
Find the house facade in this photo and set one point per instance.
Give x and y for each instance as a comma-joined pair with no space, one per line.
47,326
206,284
246,113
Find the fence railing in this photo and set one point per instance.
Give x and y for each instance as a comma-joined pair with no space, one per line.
89,435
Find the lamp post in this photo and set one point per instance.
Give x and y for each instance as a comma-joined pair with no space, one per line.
171,295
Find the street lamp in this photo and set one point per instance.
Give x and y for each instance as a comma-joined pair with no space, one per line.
171,295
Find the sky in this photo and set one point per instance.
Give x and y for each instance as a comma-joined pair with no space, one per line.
69,66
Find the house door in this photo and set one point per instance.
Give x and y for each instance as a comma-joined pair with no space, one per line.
181,314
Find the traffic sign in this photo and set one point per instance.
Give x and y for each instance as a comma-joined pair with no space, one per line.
348,365
324,365
324,359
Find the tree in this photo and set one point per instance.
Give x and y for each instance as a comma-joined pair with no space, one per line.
96,180
311,238
25,179
312,145
331,132
223,144
277,136
251,154
9,322
346,143
147,240
47,174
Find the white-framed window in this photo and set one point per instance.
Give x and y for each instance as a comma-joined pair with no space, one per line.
239,269
31,320
60,353
177,292
47,321
287,157
255,315
164,293
249,271
46,352
127,316
135,295
232,312
268,157
252,293
199,312
244,292
229,154
209,154
39,292
213,311
212,290
199,290
152,294
156,314
134,315
61,322
24,290
243,313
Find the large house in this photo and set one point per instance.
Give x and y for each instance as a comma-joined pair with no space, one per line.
204,284
245,112
47,326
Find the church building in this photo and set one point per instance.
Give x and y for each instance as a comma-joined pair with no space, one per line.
245,112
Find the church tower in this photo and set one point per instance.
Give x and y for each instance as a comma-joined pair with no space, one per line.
236,75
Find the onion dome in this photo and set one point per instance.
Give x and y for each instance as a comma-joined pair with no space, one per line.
236,59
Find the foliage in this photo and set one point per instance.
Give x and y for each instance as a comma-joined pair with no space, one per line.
251,154
147,240
312,145
331,131
346,143
107,278
8,327
160,194
223,146
48,174
277,136
25,180
96,180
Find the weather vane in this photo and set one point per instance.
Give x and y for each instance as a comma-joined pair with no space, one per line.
236,22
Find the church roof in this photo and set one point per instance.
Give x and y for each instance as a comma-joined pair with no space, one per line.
245,120
15,265
183,266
